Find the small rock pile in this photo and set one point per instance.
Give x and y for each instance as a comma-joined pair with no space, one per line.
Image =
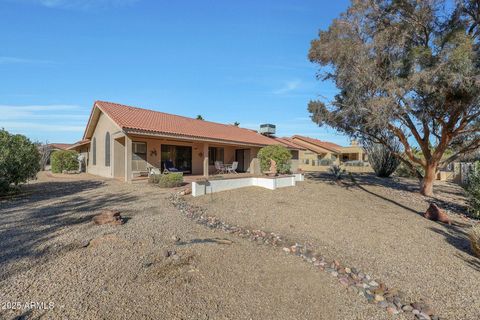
108,217
354,280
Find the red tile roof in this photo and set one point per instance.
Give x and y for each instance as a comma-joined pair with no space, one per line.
79,143
149,121
61,146
322,144
287,142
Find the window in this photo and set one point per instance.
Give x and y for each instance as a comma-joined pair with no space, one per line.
94,152
107,149
215,154
139,156
333,157
307,161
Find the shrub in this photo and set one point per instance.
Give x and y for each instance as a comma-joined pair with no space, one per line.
64,160
475,239
154,178
170,180
337,172
382,159
279,154
19,160
473,190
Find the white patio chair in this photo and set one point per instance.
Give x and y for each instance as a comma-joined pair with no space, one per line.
233,168
219,167
153,171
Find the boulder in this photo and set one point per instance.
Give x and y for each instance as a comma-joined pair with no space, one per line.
108,217
434,213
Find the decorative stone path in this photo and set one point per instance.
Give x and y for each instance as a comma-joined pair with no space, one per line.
354,280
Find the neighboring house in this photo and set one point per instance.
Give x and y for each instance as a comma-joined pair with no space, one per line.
319,155
49,149
122,142
353,152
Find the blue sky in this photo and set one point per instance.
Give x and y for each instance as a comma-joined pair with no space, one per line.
229,61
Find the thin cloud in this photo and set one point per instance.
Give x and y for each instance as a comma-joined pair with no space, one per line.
19,125
45,118
17,60
82,4
20,111
288,87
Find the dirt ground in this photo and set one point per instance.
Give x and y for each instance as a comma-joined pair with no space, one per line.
375,225
51,252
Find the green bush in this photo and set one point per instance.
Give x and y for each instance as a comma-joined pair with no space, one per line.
19,160
170,180
279,154
64,160
473,190
474,236
382,158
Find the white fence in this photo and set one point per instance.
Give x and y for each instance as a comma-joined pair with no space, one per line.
200,188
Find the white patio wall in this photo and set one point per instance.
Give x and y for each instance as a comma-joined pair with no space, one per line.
200,188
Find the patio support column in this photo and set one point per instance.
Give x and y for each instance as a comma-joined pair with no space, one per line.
128,159
205,160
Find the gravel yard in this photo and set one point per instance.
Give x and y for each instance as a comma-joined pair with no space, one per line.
375,225
51,252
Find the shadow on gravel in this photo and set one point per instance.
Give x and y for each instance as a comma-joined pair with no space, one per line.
49,209
457,236
367,179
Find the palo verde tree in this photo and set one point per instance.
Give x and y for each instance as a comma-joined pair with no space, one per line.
409,67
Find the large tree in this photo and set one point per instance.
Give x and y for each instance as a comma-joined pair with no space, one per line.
408,67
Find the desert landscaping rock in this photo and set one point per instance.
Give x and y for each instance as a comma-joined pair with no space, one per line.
378,229
129,278
112,217
335,269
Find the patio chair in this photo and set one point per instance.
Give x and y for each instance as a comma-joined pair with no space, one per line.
153,171
169,167
233,168
219,167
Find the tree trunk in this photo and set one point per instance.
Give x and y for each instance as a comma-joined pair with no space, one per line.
426,188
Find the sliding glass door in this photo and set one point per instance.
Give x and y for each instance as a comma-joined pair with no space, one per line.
180,156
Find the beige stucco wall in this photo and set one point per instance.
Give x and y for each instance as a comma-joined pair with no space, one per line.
103,126
313,158
354,153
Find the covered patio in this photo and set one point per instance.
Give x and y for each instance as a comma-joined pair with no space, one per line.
136,153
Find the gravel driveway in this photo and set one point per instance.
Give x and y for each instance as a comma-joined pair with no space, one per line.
51,252
375,225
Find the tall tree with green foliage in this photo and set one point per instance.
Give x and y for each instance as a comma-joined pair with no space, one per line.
409,67
19,160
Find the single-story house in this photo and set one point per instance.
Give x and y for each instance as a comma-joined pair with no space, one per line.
122,142
48,149
318,154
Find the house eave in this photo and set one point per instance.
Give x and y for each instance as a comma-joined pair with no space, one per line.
188,138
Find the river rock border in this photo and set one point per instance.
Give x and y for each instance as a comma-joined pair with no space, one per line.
354,280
